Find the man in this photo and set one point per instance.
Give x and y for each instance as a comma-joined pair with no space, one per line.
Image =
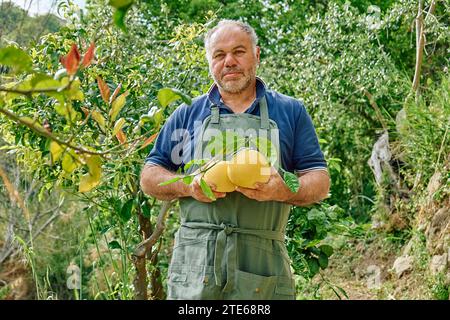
233,247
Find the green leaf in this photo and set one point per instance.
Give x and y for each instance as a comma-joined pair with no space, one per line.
67,111
21,241
316,215
327,249
188,179
105,229
43,81
168,95
342,291
118,125
68,163
291,181
91,179
125,212
165,183
315,250
94,164
15,58
336,293
119,17
120,3
313,265
323,260
146,211
199,162
158,118
24,85
312,243
55,150
74,93
88,182
117,105
114,245
207,189
97,116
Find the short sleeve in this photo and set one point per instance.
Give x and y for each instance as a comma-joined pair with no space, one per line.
307,155
167,150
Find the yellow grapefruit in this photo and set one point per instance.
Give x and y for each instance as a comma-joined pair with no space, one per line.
217,175
247,167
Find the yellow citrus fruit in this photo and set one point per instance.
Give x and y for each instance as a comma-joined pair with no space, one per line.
247,167
217,175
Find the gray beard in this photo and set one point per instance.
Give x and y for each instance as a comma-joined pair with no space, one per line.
234,87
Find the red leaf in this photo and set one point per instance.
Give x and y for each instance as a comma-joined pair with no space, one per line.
72,60
88,56
85,111
149,140
121,137
104,89
115,93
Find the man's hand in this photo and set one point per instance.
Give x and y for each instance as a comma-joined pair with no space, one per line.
196,192
274,190
315,186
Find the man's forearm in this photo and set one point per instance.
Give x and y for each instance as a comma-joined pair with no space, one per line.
152,175
314,187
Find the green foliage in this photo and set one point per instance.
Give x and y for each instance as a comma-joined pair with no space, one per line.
15,58
439,289
306,229
423,132
333,55
330,64
79,114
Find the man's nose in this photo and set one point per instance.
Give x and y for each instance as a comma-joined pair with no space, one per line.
230,60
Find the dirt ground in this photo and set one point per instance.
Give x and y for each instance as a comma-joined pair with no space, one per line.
365,272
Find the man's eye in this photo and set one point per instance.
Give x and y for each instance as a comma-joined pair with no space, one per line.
219,56
240,52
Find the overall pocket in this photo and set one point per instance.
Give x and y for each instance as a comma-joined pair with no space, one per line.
250,286
189,250
192,283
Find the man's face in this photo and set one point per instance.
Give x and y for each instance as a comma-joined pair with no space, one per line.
232,62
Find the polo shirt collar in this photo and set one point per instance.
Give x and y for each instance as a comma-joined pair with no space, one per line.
215,98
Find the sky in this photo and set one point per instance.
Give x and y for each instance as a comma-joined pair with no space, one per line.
42,6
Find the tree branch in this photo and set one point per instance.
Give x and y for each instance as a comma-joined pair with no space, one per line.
420,42
28,93
377,109
140,281
47,134
147,244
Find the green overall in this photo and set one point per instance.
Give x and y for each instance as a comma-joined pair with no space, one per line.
232,248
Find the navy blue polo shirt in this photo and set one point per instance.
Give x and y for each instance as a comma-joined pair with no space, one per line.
299,146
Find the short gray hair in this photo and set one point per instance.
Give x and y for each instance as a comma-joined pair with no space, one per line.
226,22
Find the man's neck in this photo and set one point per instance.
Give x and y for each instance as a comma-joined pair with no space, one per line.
239,102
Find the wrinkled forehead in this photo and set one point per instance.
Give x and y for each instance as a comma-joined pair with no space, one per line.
229,37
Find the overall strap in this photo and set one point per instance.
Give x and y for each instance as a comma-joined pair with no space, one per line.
215,116
264,113
263,109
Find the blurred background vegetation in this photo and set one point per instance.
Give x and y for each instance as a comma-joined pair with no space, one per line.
382,234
